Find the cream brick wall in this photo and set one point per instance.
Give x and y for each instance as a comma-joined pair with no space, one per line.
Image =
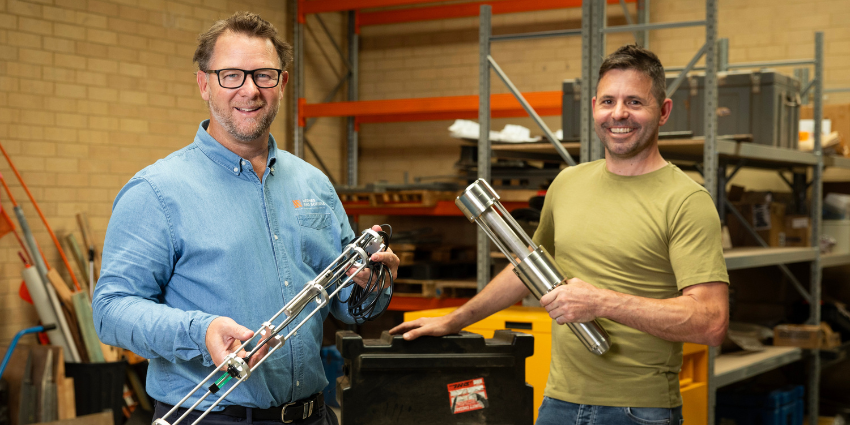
90,93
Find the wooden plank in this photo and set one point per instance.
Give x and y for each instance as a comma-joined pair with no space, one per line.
102,418
86,322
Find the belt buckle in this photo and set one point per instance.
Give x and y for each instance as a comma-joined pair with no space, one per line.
283,413
307,411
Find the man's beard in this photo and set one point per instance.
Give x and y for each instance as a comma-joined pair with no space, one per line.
260,125
643,139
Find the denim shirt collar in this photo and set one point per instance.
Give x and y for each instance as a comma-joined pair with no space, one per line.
225,157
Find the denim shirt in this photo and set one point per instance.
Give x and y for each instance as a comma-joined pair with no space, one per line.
197,235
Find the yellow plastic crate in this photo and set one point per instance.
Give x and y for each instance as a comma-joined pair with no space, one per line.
534,320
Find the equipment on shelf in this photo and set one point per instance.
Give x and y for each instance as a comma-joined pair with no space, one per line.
360,306
536,268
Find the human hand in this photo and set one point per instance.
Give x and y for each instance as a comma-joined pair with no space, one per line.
387,257
224,336
433,326
572,302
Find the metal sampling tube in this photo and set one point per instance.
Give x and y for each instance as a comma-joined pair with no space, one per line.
534,266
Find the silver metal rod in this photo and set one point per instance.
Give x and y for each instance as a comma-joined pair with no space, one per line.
629,20
531,112
535,35
333,42
529,244
639,27
684,74
805,91
765,64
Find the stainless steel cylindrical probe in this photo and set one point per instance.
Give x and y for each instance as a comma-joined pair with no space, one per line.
534,266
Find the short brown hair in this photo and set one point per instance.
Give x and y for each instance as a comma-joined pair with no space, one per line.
642,60
241,23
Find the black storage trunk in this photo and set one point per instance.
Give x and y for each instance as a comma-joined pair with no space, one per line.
455,379
765,105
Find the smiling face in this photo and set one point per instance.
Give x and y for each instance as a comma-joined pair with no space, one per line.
626,115
243,115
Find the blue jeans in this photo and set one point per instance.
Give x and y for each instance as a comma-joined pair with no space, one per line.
557,412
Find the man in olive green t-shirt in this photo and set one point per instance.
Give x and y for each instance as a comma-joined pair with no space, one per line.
640,243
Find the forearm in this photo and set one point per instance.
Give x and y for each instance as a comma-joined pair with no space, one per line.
150,329
503,291
686,318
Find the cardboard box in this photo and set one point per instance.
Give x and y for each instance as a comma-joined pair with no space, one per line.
769,220
806,336
839,114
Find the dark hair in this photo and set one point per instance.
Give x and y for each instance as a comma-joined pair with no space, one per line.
241,23
642,60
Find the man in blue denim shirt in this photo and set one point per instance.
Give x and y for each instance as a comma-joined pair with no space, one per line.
213,240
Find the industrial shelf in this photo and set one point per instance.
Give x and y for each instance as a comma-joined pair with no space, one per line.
757,155
547,103
734,367
834,260
428,13
402,303
441,209
834,355
836,161
745,258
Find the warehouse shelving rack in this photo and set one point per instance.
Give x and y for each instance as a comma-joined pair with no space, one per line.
396,110
546,103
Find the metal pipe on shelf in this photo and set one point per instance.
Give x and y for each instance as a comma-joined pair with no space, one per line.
641,27
531,112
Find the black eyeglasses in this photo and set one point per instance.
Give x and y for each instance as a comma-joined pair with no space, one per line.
232,78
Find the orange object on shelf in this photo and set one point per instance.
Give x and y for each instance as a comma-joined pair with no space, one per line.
546,103
400,303
464,10
411,14
442,209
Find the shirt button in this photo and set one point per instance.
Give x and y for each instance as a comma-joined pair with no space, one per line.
286,283
275,237
235,169
297,383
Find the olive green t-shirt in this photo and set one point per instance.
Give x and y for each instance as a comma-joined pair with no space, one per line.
649,235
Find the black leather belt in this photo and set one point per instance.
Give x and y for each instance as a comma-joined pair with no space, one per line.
288,413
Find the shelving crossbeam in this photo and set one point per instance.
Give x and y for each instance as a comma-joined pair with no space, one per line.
734,367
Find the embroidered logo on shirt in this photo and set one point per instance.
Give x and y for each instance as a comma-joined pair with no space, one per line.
307,203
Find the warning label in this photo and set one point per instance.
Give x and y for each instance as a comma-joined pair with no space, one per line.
467,396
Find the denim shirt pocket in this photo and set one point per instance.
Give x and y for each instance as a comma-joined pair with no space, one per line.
319,239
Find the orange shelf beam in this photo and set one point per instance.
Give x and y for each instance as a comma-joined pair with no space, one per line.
464,10
442,209
402,303
436,12
503,105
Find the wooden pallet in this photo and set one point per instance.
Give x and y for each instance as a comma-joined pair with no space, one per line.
411,198
435,288
456,288
415,288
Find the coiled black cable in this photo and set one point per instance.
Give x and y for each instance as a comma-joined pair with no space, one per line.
361,302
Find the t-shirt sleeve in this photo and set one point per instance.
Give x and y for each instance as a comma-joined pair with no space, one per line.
696,253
